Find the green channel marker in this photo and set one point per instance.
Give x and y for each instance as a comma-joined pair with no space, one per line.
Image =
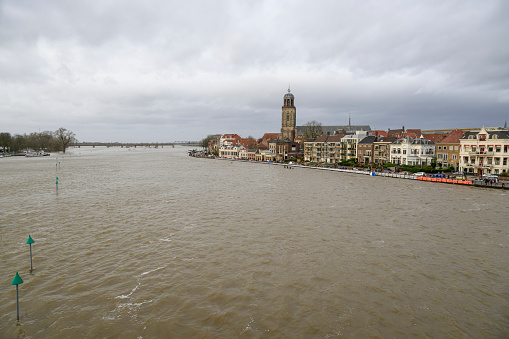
30,241
16,281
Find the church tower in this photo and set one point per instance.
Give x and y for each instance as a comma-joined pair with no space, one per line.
289,117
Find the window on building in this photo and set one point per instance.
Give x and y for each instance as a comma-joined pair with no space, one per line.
490,148
455,148
454,157
498,149
497,161
504,162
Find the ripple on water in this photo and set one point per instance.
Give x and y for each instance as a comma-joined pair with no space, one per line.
150,242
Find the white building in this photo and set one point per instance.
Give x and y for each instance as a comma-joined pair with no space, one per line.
485,151
413,152
229,151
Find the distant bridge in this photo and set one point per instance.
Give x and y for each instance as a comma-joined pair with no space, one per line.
136,144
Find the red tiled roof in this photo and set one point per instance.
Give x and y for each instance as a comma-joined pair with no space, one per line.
433,137
335,138
322,138
270,136
452,137
393,132
416,131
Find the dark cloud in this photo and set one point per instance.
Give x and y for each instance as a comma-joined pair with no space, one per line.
132,70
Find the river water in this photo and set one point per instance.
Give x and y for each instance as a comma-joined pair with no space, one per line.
150,243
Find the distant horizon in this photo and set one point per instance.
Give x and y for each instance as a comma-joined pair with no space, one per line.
256,138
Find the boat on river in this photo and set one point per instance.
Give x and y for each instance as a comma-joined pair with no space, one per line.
32,154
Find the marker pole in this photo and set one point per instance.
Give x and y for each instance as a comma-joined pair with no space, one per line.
16,281
30,241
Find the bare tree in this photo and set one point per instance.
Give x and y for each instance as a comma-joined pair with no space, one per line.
65,137
312,129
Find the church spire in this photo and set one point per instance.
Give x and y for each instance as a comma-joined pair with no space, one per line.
288,87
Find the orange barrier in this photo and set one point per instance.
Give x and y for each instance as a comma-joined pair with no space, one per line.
449,181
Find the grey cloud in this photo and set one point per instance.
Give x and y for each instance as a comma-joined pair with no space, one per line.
181,70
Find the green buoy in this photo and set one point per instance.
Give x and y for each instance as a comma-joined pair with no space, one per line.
16,281
30,241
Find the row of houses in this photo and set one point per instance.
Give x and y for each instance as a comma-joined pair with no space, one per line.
476,151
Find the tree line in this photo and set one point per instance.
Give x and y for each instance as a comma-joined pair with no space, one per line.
48,141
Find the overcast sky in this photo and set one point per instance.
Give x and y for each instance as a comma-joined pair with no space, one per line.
179,70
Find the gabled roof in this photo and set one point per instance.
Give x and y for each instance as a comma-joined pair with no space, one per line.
394,132
270,136
368,140
433,137
500,134
452,137
379,132
335,138
322,138
416,131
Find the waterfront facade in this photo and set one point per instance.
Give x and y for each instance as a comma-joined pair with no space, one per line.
484,152
326,149
413,152
349,145
231,151
381,150
481,151
448,150
366,150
